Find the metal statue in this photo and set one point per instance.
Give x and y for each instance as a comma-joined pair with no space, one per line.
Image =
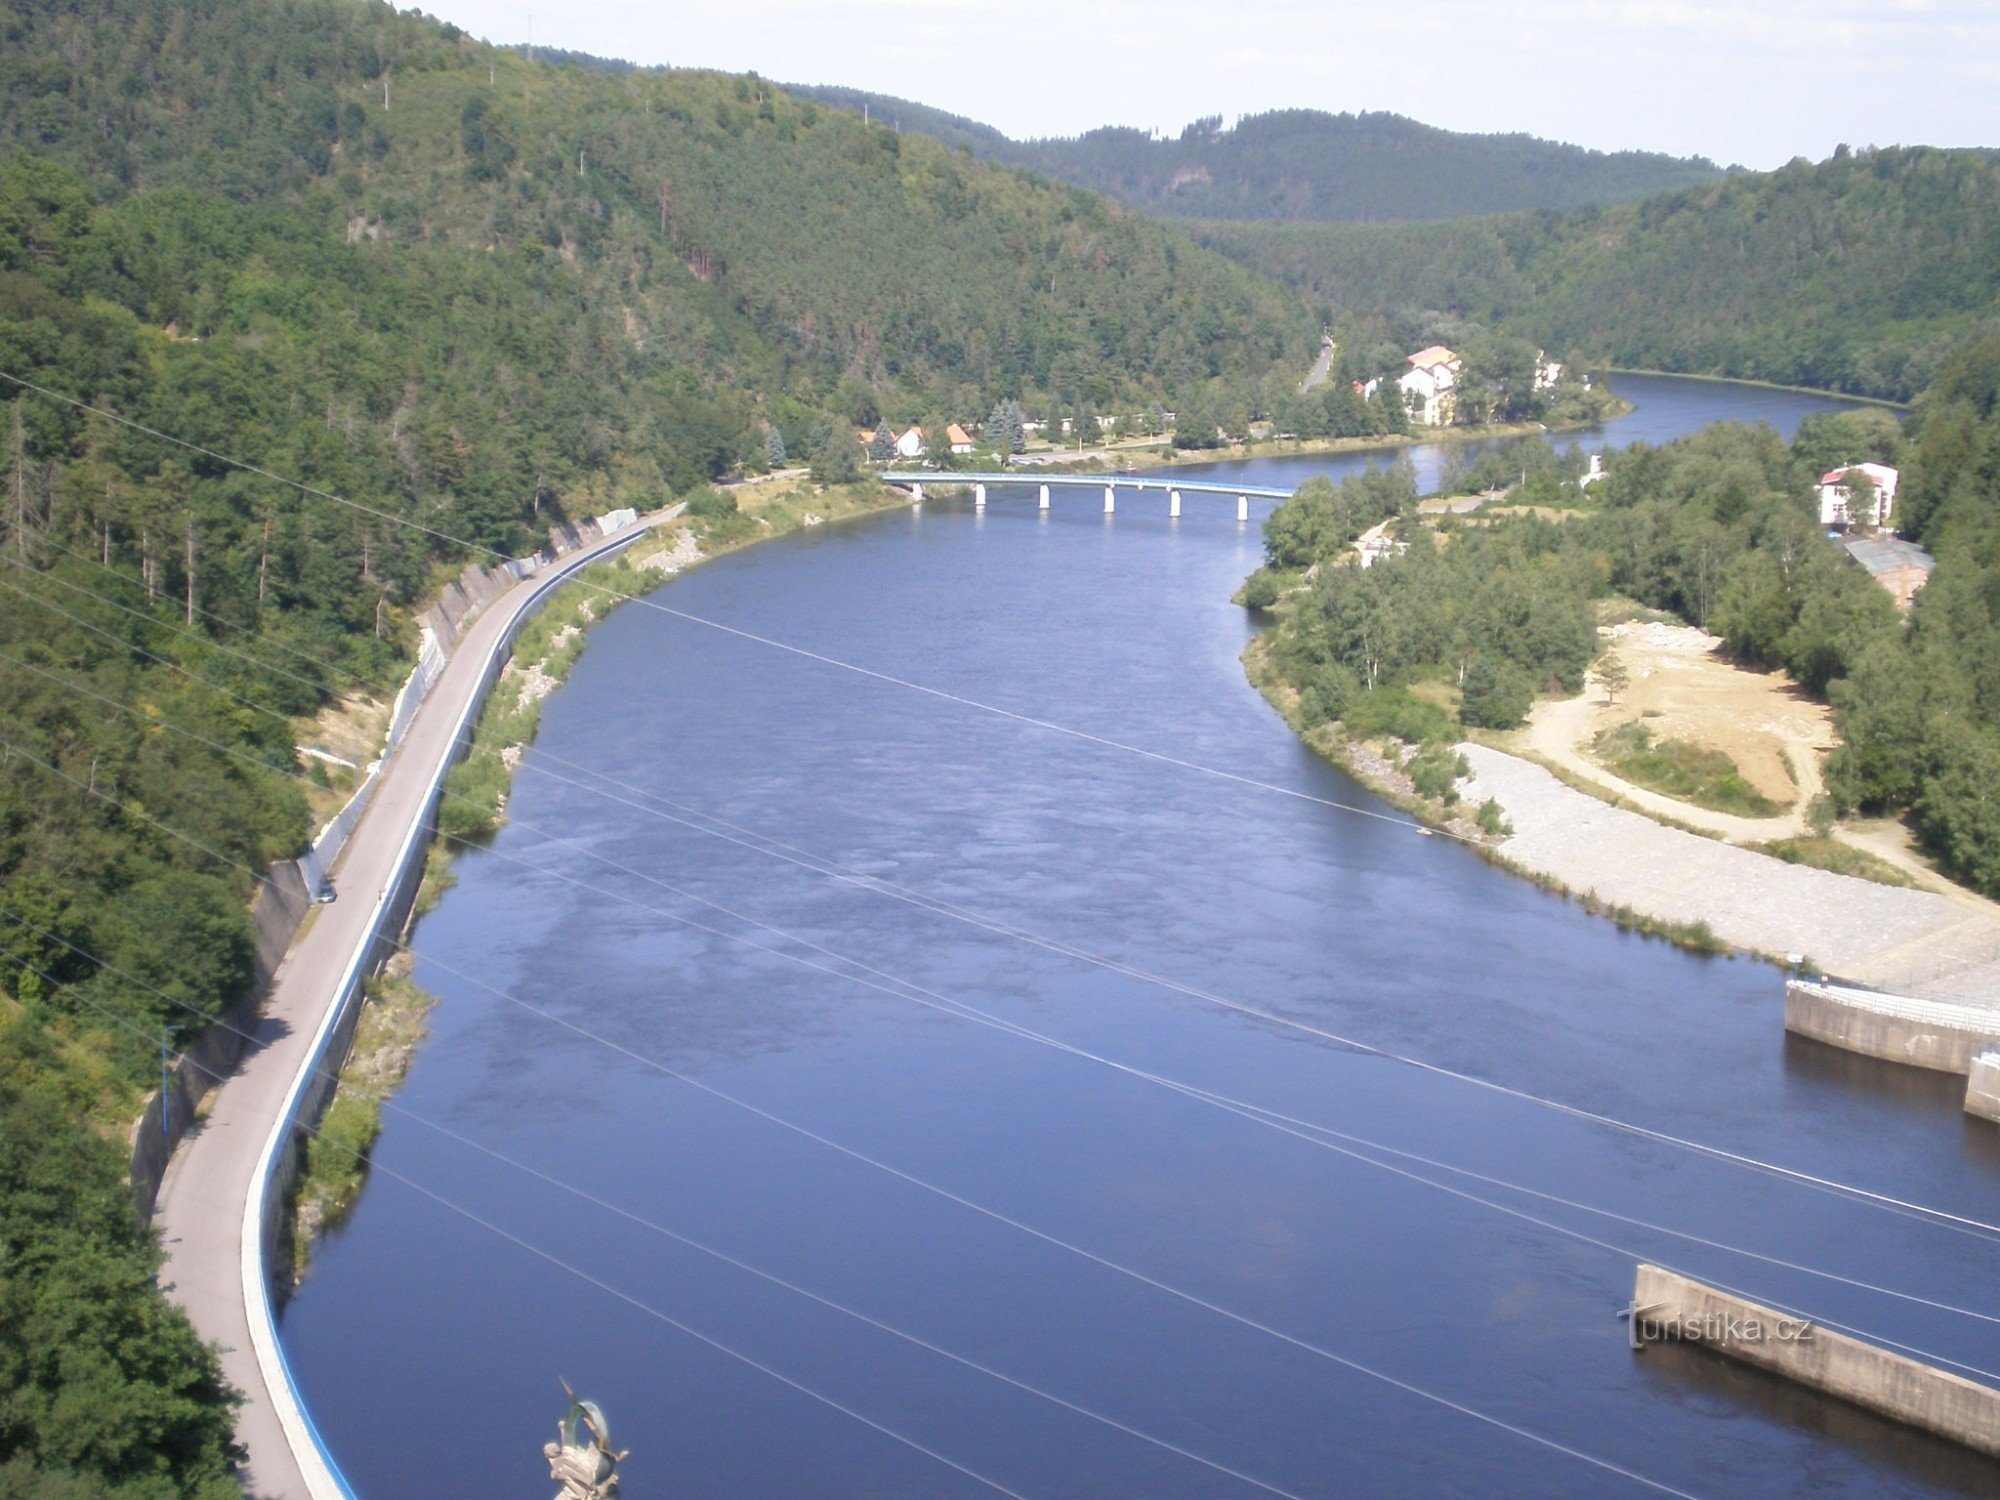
587,1469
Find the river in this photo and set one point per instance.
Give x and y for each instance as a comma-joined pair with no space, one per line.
1211,1296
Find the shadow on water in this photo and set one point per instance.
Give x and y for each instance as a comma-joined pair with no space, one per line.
1723,1389
1824,1065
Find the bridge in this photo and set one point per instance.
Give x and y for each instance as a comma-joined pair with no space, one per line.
1109,483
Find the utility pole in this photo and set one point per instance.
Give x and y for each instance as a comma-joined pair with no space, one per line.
190,570
20,484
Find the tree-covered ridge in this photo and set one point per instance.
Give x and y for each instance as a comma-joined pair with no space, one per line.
711,223
1309,165
1860,273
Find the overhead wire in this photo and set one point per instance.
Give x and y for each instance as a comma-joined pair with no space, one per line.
1054,1241
612,1045
1886,1202
911,992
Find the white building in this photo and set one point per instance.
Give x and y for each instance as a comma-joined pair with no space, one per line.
1431,386
911,443
956,437
1547,371
1836,487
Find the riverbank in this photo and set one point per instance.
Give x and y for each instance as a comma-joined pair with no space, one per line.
1479,820
1670,880
1161,455
1768,385
473,804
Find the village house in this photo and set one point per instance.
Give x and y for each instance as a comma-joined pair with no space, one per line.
1837,488
911,444
1431,386
956,439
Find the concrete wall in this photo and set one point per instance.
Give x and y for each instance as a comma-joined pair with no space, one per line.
1667,1304
1922,1033
1982,1086
281,905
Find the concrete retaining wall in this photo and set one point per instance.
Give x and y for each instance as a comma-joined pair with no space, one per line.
281,905
1669,1305
1982,1086
1922,1033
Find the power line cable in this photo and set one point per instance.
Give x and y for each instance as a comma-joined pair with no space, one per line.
1259,1114
1234,1106
652,1226
1052,1240
1883,1201
939,693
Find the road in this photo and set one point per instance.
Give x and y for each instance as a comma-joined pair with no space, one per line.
201,1212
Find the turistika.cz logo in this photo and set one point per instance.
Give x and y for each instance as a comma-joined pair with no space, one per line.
1643,1323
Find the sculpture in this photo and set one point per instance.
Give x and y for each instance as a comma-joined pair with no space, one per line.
586,1470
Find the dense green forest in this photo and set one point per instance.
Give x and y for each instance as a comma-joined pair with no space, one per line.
472,292
1861,273
1308,165
1719,528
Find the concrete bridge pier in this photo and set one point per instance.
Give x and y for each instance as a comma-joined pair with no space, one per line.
1110,503
1173,502
916,494
979,497
1045,497
1242,507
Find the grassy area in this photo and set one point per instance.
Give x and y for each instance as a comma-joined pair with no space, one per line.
1682,770
1842,859
334,1164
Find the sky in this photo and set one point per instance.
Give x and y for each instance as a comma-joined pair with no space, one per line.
1755,82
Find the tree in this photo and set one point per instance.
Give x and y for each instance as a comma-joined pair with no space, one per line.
837,459
1612,672
1857,493
774,447
1497,694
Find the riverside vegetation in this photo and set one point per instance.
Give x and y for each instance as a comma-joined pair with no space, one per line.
1718,529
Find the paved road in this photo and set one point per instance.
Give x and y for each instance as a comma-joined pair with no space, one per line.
201,1208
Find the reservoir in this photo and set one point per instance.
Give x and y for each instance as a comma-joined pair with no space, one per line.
1030,1220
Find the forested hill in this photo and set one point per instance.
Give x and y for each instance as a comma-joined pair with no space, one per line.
704,223
1860,273
1308,165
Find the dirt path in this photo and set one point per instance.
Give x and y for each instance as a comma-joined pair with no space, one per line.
1558,727
1681,687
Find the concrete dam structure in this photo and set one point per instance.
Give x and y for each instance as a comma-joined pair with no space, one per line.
1668,1305
1936,1034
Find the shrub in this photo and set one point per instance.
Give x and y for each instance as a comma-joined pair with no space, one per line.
1435,771
1392,711
1260,590
710,504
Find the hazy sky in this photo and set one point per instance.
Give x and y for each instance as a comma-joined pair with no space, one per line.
1754,81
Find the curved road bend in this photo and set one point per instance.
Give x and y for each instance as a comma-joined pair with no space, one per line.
213,1175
